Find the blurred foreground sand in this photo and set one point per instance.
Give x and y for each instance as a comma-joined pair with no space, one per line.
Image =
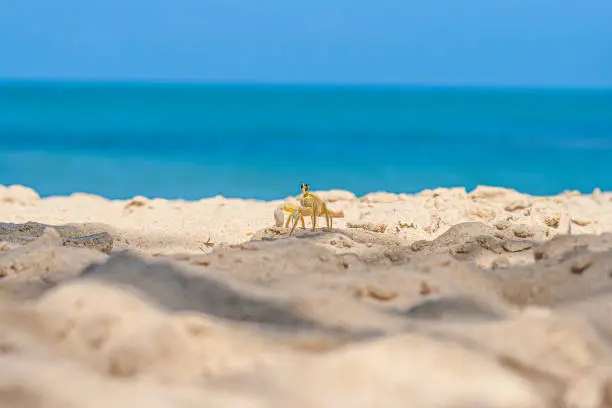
446,298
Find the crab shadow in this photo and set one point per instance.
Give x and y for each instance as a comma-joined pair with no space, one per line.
277,233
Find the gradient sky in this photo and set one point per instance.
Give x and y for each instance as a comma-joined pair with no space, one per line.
490,42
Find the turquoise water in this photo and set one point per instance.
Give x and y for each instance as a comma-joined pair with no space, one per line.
192,141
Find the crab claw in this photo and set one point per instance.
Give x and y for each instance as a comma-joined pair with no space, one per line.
279,216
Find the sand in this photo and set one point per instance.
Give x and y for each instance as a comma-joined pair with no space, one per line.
446,298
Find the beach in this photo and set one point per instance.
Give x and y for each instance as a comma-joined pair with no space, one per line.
449,297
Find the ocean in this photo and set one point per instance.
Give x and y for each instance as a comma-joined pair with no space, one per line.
193,141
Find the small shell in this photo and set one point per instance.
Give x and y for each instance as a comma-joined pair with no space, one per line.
583,222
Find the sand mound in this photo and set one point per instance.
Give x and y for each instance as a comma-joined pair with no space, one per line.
475,299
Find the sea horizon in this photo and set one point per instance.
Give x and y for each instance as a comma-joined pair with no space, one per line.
181,139
230,83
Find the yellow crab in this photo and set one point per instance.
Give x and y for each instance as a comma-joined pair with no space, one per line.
310,205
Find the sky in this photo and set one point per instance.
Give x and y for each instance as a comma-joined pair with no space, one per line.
434,42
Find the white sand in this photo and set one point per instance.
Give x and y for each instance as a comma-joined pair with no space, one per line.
170,226
350,318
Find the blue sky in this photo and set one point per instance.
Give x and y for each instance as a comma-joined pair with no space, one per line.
433,42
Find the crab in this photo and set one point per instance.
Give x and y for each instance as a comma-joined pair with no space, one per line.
310,205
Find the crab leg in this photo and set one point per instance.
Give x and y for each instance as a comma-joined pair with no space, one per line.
294,216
